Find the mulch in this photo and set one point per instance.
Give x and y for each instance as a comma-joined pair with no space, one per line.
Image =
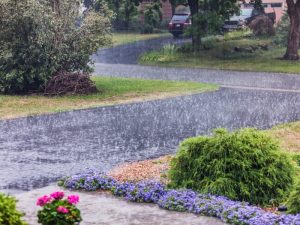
154,169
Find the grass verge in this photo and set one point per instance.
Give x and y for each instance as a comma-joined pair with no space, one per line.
114,91
222,56
129,37
288,135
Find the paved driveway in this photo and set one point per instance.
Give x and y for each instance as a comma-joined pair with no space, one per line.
35,151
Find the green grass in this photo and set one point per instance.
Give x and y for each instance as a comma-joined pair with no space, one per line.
129,37
266,61
113,91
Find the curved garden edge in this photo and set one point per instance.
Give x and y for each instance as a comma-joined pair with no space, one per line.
104,208
228,211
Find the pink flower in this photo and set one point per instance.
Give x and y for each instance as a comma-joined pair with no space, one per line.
57,195
73,199
62,209
43,200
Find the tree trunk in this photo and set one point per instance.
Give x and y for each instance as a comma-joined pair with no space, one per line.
173,5
127,16
294,33
194,7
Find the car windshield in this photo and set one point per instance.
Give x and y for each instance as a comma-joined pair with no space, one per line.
180,17
246,12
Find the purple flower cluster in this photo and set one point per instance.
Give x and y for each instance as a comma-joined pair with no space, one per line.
146,191
89,181
232,212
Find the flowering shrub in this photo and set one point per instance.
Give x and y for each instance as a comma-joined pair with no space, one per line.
229,211
57,210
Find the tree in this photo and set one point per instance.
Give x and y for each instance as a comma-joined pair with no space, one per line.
152,16
294,32
124,10
194,7
208,17
175,3
129,9
257,4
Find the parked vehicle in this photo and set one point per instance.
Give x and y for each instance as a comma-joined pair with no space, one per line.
244,18
179,23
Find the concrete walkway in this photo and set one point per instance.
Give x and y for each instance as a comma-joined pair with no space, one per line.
98,208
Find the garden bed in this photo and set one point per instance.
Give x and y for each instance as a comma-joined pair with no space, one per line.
228,211
246,54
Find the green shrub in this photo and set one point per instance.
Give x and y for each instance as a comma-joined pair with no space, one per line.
38,40
245,165
282,31
169,49
8,213
24,64
210,42
238,34
293,202
151,57
186,48
167,54
296,157
152,16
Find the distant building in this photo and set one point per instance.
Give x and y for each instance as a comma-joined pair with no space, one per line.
277,6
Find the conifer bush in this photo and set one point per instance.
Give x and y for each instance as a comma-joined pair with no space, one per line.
245,165
293,202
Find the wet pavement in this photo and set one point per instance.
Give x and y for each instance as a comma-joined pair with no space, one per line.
227,78
35,151
129,53
103,209
121,61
